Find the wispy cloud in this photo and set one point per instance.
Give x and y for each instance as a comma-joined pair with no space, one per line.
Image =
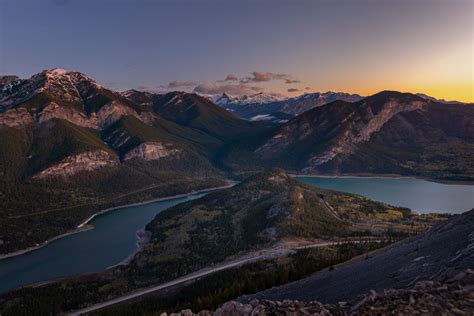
208,87
307,88
231,84
288,81
181,84
144,88
259,76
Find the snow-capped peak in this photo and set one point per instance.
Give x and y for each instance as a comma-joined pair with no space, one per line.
258,98
224,99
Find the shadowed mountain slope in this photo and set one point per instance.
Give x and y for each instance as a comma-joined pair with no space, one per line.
387,133
447,248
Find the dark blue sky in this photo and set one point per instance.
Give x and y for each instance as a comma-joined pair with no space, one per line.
357,46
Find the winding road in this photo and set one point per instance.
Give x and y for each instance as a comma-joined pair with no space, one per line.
277,251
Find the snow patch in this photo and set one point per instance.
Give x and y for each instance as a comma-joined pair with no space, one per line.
262,117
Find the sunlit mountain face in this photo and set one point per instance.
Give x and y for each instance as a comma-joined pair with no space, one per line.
236,157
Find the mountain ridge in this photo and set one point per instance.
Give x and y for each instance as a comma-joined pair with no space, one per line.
386,133
61,128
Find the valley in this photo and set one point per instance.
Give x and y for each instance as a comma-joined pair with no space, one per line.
268,211
242,158
68,140
82,149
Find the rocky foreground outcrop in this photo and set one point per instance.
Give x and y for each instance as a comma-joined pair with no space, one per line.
445,249
450,296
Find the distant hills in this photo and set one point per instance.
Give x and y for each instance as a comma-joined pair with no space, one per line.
72,142
387,133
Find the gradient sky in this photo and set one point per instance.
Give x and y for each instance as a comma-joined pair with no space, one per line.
352,46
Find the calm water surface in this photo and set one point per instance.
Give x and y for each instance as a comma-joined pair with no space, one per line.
114,236
419,195
112,240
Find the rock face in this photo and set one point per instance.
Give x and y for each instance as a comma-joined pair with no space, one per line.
386,133
360,134
264,307
105,117
16,118
450,296
57,93
353,127
86,161
151,151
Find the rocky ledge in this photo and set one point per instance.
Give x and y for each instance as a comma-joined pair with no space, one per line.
86,161
151,151
450,296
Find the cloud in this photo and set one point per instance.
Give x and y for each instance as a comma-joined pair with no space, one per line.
293,90
276,94
208,87
288,81
307,88
231,77
259,76
180,84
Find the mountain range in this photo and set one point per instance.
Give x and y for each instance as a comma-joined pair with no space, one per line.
386,133
71,141
263,106
266,216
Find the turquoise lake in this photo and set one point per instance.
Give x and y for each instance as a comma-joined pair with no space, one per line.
114,237
111,241
420,195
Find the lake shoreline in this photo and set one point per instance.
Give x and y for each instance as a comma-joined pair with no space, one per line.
84,226
381,176
143,238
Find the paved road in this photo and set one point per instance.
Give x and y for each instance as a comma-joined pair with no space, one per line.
180,280
260,255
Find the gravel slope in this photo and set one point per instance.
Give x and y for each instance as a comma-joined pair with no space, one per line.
445,249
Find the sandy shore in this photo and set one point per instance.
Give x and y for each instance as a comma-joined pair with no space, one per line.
86,226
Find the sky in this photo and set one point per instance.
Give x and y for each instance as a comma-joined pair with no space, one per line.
274,46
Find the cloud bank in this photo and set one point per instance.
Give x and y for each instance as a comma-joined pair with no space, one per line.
258,76
232,84
209,87
180,84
